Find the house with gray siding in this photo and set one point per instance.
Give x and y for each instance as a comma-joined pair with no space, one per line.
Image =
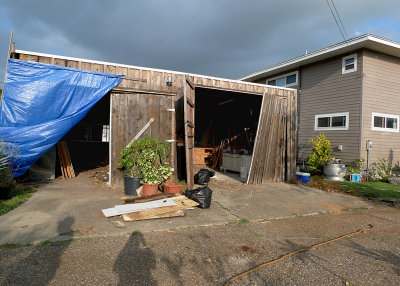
349,91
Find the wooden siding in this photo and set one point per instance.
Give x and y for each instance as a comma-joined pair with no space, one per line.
130,112
275,128
381,91
141,95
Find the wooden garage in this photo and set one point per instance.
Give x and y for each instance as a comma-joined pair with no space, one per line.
170,98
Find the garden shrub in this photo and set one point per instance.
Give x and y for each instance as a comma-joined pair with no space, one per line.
381,170
8,155
358,167
320,153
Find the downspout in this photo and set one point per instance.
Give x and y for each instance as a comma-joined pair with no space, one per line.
298,113
361,63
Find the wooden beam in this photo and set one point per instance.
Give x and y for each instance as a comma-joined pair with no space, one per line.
166,215
5,71
137,199
149,91
191,83
181,203
134,79
140,132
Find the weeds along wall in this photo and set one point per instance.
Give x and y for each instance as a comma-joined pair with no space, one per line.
168,97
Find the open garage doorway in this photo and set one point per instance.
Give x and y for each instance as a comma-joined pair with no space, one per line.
224,131
88,141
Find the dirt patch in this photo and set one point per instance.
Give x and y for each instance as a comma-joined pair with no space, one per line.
247,249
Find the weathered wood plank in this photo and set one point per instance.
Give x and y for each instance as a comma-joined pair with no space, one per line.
182,203
137,199
179,213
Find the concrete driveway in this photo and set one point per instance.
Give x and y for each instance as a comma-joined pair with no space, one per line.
63,209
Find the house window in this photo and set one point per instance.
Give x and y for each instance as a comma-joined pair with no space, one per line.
349,64
385,122
285,80
334,121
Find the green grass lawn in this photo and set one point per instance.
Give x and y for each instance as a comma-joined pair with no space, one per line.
372,190
18,197
369,190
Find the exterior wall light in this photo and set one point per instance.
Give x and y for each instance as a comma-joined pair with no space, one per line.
169,80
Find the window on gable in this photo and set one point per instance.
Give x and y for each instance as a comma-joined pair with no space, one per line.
285,80
349,64
334,121
385,122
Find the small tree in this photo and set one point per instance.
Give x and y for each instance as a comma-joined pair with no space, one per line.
320,153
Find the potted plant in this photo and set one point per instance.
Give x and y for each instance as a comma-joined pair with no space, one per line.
153,164
176,187
129,162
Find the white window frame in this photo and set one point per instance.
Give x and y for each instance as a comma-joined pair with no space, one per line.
344,71
384,116
317,116
285,75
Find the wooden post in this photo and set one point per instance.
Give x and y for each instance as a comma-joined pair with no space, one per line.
5,72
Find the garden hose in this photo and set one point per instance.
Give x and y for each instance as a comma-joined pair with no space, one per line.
296,252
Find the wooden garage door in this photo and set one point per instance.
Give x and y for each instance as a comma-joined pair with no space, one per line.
189,102
129,114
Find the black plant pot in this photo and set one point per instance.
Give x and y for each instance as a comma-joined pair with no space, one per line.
131,184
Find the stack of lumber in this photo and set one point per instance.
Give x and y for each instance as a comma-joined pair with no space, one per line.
67,170
157,206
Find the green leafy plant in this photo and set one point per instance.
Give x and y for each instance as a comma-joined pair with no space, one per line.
357,167
152,161
381,170
320,153
146,158
180,182
129,160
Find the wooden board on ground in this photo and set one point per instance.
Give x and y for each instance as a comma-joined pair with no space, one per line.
181,203
166,215
138,199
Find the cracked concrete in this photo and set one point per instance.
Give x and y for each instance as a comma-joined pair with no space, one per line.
81,200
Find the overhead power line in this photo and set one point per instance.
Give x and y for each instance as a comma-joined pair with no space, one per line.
340,20
337,19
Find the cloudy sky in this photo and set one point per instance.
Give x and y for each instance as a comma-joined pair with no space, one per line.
225,38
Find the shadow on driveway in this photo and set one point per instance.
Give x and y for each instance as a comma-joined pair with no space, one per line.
40,266
135,262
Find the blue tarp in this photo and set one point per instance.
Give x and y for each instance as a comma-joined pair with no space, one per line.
41,103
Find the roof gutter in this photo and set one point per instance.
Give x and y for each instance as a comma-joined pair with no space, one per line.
336,47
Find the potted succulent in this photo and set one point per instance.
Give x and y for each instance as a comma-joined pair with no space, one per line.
129,162
153,165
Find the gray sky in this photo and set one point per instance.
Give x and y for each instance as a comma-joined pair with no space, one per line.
225,38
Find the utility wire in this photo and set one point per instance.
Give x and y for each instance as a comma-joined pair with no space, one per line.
340,20
334,17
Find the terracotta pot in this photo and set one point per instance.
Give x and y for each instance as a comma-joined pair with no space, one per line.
173,188
149,190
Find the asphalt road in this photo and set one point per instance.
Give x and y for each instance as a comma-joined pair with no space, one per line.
213,255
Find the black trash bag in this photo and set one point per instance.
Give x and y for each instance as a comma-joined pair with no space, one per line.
203,176
201,196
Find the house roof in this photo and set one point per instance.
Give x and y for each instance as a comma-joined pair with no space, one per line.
364,41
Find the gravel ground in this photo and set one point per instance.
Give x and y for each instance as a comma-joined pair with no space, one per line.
213,255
